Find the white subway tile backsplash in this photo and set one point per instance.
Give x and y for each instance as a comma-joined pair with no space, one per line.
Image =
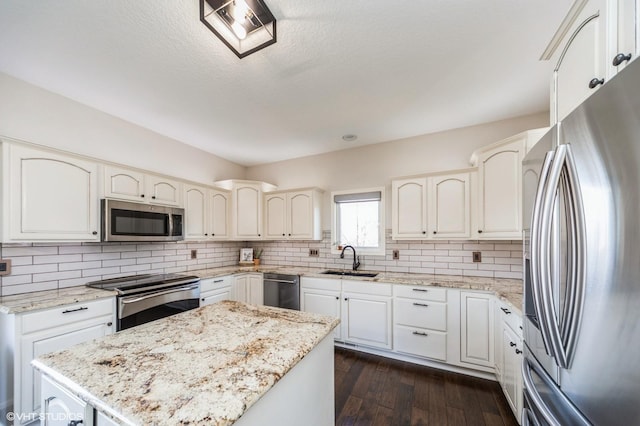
100,256
52,276
11,251
62,258
33,269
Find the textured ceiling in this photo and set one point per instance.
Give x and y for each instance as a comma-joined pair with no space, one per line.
383,70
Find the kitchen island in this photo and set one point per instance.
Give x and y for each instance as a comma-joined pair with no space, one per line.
217,365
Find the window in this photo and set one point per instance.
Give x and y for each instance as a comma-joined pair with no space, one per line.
359,220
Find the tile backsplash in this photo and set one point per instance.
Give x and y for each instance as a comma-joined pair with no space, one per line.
49,266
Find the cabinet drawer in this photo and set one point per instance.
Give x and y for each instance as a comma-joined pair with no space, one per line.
510,317
66,314
354,286
328,284
420,342
209,284
435,294
418,313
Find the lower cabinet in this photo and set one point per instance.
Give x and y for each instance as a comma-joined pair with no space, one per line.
61,408
477,329
322,296
213,290
248,288
30,335
509,355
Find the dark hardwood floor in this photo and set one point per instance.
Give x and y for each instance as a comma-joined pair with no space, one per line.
372,390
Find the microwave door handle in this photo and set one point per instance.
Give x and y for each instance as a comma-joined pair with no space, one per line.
170,224
536,251
576,283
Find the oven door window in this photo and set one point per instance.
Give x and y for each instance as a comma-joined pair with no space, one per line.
157,312
148,224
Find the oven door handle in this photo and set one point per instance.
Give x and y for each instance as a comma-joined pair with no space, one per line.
127,300
280,281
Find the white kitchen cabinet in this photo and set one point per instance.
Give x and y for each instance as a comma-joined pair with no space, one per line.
61,408
207,213
367,314
476,329
509,354
32,334
499,212
420,321
132,185
322,296
436,206
293,215
48,196
409,211
213,290
628,34
248,288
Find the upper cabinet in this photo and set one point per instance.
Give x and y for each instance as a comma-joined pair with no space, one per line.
48,196
596,39
207,213
132,185
433,206
499,211
293,215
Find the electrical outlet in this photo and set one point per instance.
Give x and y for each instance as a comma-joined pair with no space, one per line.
5,266
477,257
194,254
396,255
314,253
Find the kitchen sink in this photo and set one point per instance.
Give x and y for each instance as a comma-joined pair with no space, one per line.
351,273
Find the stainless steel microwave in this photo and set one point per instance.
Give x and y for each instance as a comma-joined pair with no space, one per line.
126,221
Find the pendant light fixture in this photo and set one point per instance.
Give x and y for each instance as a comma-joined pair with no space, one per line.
244,26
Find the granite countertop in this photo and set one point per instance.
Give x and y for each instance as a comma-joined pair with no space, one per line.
25,302
509,290
204,366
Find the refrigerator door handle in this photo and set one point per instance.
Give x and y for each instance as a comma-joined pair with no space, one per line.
528,419
536,251
534,397
576,282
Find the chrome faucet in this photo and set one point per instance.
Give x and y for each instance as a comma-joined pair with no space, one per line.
356,260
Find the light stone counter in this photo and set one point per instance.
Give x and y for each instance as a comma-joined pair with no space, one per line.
25,302
205,366
509,290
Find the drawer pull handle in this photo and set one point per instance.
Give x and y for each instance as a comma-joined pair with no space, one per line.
81,308
420,289
420,304
505,310
512,344
518,351
420,333
217,281
109,324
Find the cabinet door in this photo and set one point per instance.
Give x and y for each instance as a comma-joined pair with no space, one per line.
300,215
196,210
255,290
239,288
583,57
161,190
219,207
248,212
628,23
275,216
50,197
511,376
449,206
57,339
476,329
123,184
322,302
367,320
500,192
409,208
62,408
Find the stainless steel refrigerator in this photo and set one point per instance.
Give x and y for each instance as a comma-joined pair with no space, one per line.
582,263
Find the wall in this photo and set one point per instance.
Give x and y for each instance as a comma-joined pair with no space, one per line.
50,266
500,259
35,115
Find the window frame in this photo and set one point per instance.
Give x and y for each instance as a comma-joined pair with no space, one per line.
380,250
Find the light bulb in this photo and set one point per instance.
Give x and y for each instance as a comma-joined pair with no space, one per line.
237,28
240,10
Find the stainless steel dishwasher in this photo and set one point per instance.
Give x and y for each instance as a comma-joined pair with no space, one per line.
282,290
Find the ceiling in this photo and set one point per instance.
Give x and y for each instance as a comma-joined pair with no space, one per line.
383,70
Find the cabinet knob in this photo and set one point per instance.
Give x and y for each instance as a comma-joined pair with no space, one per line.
337,298
346,298
518,351
512,344
141,195
424,232
259,235
153,197
595,82
202,299
479,231
109,324
95,232
289,234
434,232
620,58
283,235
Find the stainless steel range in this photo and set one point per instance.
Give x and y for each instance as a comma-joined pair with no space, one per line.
146,298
